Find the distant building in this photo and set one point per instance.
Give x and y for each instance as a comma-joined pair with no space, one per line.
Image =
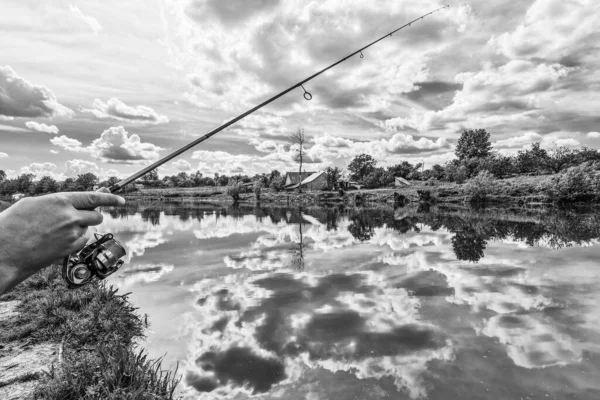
293,178
401,182
314,181
17,196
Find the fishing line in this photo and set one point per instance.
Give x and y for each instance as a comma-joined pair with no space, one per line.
307,95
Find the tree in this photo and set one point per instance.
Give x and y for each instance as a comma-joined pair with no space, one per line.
46,185
234,190
403,170
151,178
297,140
23,182
277,183
86,181
361,166
473,144
2,175
332,175
559,159
223,180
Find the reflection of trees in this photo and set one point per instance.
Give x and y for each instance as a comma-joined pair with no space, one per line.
151,215
468,246
298,251
361,226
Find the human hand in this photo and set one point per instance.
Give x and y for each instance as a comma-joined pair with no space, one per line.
38,230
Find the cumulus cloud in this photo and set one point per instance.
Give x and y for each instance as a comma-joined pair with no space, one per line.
42,127
182,165
2,155
594,135
552,30
67,143
518,141
39,169
76,167
494,96
114,145
284,40
116,109
21,98
90,21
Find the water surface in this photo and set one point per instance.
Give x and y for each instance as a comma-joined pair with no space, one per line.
441,303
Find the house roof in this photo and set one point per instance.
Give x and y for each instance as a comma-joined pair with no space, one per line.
295,176
401,180
306,180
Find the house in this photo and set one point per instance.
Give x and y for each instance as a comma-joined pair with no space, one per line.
315,181
293,178
17,196
401,182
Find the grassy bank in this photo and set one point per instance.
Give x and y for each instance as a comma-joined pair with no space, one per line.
96,329
518,190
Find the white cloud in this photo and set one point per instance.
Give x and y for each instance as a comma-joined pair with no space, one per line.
518,141
76,167
114,145
39,169
42,127
54,151
67,143
91,22
552,29
21,98
490,97
182,165
2,155
116,109
594,135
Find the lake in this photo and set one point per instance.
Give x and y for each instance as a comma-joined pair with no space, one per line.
334,303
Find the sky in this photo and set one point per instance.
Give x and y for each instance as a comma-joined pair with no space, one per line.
108,87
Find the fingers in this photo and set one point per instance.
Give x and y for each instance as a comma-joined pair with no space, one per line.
78,244
90,218
90,200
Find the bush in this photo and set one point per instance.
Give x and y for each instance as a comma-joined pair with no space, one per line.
578,183
234,190
277,183
478,188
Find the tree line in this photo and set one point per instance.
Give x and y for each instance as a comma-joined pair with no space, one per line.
474,154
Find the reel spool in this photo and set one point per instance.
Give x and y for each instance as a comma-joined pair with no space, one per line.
98,259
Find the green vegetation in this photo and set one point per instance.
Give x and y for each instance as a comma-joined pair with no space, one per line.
234,190
97,328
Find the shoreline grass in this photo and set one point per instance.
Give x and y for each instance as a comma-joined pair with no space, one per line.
98,329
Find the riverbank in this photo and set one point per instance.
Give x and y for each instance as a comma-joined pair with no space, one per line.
58,343
518,190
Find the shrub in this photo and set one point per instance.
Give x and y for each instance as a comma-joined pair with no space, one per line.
234,190
277,183
478,188
575,184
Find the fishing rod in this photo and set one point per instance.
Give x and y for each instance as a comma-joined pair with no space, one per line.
307,95
103,257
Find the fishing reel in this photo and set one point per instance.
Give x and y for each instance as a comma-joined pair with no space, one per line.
100,259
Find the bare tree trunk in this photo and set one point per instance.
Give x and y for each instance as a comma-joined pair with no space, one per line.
298,138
